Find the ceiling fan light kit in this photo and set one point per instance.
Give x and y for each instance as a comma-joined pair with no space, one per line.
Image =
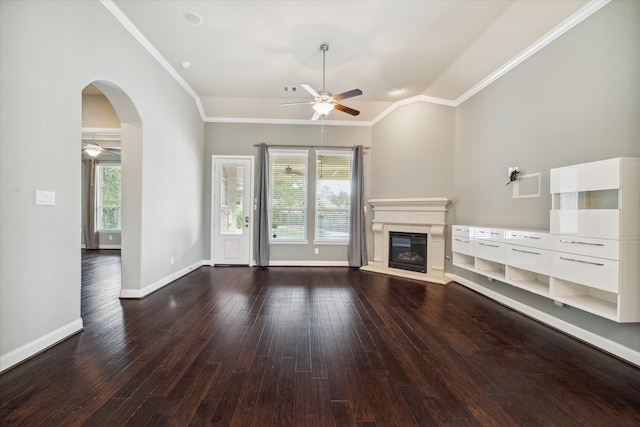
323,108
93,150
324,101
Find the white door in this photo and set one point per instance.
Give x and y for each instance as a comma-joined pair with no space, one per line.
232,210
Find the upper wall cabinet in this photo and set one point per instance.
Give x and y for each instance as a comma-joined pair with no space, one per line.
595,237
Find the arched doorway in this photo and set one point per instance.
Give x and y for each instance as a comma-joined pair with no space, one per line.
131,178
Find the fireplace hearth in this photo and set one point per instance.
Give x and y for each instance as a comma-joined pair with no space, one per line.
408,251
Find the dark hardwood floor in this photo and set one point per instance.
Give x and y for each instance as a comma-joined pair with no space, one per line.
311,347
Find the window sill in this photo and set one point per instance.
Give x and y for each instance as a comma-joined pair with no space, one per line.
288,242
331,242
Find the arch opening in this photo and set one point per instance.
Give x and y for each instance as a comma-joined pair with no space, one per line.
130,134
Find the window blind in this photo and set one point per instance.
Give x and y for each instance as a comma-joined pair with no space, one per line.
288,178
333,195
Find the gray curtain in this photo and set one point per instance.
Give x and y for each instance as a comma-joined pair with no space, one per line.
89,217
357,248
262,209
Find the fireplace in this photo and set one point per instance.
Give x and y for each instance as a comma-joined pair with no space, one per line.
419,216
408,251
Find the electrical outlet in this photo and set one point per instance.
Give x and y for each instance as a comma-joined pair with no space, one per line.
172,260
317,251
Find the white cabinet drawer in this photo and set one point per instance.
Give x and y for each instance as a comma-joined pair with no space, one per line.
482,233
531,259
598,223
594,272
601,248
462,231
489,250
531,239
462,245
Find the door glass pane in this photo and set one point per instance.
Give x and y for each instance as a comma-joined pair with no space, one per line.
231,203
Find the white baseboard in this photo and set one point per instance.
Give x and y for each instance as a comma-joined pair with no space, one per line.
141,293
308,263
109,247
39,345
595,340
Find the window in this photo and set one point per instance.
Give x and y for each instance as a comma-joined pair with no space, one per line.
108,190
231,199
333,195
288,181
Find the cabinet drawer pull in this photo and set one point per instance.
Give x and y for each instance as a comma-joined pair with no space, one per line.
491,246
525,252
464,230
583,262
576,242
460,240
489,232
517,236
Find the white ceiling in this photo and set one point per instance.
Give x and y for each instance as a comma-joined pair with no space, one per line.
244,52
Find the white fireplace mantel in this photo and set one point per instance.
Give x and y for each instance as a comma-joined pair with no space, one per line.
413,215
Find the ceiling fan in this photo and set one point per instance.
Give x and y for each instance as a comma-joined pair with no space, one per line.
290,171
324,101
93,149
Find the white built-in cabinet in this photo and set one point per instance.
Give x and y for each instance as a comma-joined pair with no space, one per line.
589,260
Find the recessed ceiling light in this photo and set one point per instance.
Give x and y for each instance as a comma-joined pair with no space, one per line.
185,64
395,90
193,18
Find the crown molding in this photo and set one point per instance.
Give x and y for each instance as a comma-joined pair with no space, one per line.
412,100
306,122
579,16
135,32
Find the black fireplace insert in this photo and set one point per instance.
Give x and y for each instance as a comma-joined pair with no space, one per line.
408,251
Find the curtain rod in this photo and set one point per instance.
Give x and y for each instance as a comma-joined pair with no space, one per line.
329,147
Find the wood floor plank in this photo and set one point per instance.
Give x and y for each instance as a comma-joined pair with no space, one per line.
322,414
284,403
248,398
303,410
311,346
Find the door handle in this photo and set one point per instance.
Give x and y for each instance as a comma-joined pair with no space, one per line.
246,221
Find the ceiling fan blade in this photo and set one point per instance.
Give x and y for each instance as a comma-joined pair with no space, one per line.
348,94
111,153
346,109
286,104
311,90
316,115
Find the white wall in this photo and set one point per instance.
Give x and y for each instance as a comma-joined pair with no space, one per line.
239,139
412,153
49,52
576,100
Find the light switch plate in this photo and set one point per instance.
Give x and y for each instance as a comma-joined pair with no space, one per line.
45,198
